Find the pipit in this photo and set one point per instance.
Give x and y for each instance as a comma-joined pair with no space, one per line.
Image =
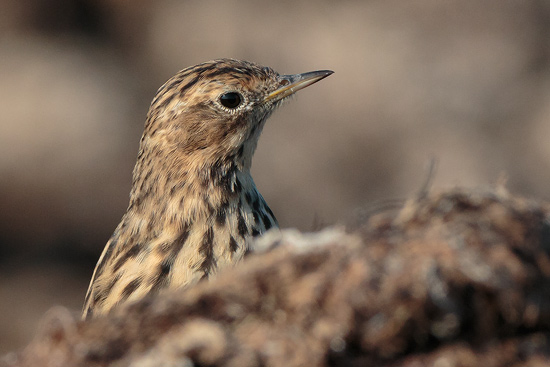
194,207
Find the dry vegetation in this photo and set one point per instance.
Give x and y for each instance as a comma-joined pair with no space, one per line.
458,278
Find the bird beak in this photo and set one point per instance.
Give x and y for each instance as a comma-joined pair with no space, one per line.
290,84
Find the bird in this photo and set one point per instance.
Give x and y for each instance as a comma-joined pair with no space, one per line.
194,208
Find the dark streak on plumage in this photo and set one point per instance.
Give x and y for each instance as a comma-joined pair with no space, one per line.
220,217
99,297
162,279
147,175
233,245
151,223
267,222
130,288
268,210
241,224
165,102
112,283
132,252
216,72
164,248
180,241
222,174
207,251
191,83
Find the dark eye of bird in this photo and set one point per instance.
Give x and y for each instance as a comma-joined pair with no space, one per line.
231,100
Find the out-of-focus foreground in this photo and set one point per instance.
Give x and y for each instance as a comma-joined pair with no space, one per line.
465,82
458,278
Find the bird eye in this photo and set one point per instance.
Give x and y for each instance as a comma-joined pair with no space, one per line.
231,100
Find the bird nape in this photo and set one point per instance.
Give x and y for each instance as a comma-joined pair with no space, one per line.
194,207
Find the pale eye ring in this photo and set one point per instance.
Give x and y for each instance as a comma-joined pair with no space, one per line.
231,100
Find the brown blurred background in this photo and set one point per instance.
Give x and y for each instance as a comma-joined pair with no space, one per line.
466,82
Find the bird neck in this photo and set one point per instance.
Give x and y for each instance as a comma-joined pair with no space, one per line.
178,189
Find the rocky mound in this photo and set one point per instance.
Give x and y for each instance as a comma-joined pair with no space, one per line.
459,278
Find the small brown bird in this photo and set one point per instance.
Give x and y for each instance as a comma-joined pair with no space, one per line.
194,207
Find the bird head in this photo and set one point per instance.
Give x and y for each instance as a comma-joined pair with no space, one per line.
215,111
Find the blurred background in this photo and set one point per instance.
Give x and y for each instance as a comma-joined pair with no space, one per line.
466,82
